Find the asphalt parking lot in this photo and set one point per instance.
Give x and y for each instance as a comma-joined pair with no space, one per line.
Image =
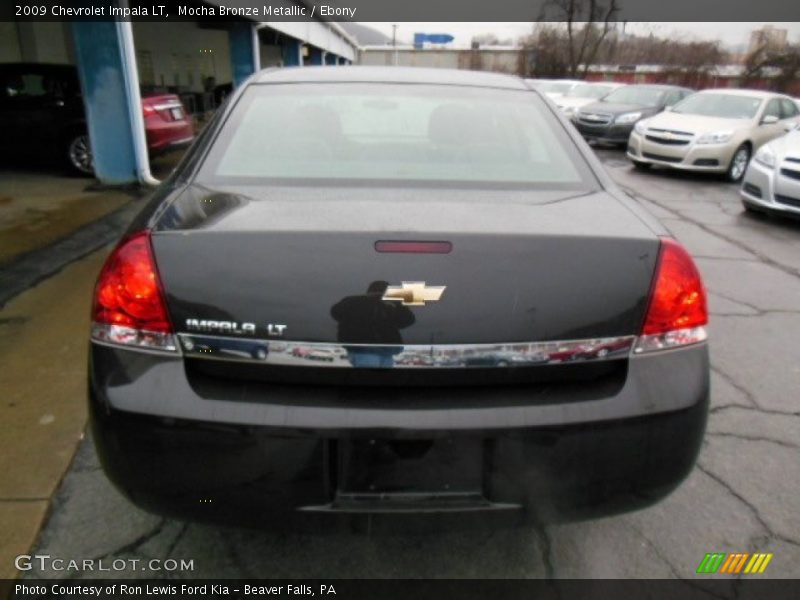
742,497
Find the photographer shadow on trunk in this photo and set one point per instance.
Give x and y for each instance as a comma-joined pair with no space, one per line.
369,327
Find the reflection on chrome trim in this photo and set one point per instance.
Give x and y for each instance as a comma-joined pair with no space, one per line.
127,336
670,339
437,356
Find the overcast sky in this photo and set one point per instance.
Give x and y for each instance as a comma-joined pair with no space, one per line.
728,33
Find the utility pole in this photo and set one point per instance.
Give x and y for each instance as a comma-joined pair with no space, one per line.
394,42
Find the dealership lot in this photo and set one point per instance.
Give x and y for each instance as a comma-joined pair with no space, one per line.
742,497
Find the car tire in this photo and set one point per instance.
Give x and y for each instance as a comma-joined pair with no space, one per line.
641,166
739,162
77,153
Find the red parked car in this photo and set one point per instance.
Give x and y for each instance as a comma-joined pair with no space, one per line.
166,123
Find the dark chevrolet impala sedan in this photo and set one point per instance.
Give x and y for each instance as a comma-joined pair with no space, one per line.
391,295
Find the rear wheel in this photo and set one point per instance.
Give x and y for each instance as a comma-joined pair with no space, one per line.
739,162
78,153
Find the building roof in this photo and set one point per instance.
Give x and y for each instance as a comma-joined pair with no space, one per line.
366,36
355,74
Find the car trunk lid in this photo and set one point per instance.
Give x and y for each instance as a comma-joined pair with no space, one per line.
301,263
167,106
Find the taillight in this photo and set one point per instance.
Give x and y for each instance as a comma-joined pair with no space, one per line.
128,304
148,110
677,313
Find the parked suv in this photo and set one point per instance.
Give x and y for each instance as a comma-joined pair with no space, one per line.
42,114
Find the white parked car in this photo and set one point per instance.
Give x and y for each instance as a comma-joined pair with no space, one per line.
555,88
772,181
584,94
715,130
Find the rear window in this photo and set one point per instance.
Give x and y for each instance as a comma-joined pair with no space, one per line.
369,132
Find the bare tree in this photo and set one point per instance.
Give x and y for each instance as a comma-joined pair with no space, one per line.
784,64
544,52
588,24
683,62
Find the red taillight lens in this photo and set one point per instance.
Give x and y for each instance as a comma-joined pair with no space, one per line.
148,110
677,311
128,305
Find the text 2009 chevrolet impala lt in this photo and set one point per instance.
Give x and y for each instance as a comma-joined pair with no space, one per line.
372,293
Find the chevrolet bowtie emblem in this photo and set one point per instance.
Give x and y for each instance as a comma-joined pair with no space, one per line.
414,293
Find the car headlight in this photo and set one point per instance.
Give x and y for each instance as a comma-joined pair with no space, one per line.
568,110
628,117
765,156
718,137
640,127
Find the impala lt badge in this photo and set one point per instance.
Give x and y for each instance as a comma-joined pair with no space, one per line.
275,329
233,327
224,327
414,293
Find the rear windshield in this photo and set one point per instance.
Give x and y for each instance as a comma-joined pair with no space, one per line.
727,106
643,96
389,132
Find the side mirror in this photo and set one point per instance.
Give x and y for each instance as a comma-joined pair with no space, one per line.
769,120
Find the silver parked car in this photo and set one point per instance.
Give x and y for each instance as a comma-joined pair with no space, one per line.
713,130
554,88
772,181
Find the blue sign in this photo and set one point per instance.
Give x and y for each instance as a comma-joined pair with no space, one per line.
433,38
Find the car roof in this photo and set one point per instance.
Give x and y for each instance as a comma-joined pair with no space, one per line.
657,86
742,92
361,74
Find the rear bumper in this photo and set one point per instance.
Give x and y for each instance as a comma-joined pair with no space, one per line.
278,461
163,136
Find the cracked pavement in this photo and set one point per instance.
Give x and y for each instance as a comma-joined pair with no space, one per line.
744,495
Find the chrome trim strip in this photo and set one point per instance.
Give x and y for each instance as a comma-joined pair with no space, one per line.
128,337
435,356
185,140
167,105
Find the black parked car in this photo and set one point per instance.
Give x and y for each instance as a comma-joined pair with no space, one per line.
41,113
611,119
442,213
